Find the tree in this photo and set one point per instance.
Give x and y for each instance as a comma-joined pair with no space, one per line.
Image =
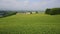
30,12
36,12
53,11
47,11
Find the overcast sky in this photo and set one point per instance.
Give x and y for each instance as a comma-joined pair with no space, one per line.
28,4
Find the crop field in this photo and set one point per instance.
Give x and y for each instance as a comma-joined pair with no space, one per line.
30,24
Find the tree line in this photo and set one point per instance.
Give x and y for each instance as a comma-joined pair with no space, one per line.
7,13
53,11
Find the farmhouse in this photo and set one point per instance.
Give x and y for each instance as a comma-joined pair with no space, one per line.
27,12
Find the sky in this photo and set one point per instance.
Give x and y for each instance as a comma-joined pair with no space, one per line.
28,4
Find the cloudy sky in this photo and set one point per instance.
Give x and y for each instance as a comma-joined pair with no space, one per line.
28,4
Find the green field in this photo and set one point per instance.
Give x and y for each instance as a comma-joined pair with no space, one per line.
30,24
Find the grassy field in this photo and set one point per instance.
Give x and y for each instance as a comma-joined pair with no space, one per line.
30,24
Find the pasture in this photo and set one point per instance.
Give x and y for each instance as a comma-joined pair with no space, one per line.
30,24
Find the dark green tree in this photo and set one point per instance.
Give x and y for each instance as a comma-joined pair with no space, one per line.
36,12
47,11
53,11
30,12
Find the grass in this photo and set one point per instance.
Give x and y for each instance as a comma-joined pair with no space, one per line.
30,24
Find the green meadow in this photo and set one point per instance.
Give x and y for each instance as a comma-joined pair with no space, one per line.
30,24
